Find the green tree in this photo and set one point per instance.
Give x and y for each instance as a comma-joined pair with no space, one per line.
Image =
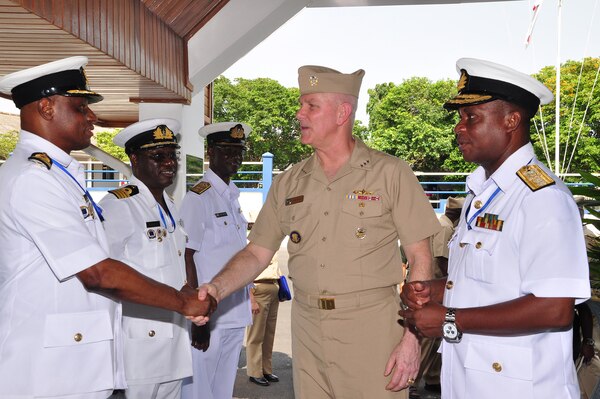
270,109
579,112
8,141
104,140
408,121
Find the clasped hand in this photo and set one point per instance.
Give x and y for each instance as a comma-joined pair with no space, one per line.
424,316
197,309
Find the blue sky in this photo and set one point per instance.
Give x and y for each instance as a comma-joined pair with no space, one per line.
393,43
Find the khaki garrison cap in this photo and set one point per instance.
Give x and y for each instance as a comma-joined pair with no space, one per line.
319,79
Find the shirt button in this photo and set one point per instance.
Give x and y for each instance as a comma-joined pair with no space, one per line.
78,337
151,333
478,245
497,367
449,285
477,204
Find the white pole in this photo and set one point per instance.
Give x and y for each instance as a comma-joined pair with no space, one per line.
557,115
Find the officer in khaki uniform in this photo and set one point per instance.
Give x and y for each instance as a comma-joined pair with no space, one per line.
344,209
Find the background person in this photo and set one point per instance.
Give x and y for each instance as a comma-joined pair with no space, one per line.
260,335
144,231
344,209
60,331
518,262
217,229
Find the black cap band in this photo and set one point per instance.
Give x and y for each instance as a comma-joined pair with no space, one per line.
65,83
159,137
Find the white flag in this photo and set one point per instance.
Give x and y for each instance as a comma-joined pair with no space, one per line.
536,8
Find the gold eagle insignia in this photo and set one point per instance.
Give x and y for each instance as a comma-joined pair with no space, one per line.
201,187
125,192
462,82
534,177
237,132
41,158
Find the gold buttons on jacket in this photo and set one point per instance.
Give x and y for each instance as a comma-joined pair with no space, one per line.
78,337
478,245
497,367
477,204
151,333
449,284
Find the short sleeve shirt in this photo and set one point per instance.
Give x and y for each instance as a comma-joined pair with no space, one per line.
343,234
217,230
50,232
512,241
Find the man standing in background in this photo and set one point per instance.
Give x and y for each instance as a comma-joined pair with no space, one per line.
217,230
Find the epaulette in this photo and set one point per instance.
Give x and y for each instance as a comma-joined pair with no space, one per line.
534,177
41,158
125,192
201,187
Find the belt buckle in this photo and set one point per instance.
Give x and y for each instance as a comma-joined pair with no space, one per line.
327,303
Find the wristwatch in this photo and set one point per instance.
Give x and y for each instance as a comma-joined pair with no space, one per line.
450,331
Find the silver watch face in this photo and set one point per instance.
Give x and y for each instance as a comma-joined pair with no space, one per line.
449,330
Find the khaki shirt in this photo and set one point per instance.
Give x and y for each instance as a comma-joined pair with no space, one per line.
344,233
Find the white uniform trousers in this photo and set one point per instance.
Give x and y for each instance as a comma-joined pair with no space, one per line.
215,370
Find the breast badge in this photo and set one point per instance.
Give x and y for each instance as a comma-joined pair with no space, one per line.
361,233
295,237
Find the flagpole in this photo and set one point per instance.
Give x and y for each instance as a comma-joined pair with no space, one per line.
557,114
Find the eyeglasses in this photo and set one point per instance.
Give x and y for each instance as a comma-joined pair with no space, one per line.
231,150
160,157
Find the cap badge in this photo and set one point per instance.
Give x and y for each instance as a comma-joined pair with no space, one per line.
295,237
237,132
162,132
313,80
462,82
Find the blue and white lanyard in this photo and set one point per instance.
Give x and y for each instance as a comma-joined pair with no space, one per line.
487,203
162,217
85,192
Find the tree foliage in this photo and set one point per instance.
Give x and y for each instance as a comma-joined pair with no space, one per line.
579,115
270,109
104,141
408,121
8,141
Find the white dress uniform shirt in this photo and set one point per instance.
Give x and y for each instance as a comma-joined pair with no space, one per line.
217,231
541,251
56,338
141,234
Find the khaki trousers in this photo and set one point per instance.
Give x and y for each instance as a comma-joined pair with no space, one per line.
342,353
261,334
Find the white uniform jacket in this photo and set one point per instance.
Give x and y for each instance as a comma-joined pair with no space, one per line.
56,338
156,341
512,241
217,230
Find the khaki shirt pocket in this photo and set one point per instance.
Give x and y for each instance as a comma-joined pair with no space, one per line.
362,226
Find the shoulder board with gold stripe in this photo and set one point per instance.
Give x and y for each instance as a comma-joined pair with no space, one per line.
534,177
125,192
41,158
201,187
